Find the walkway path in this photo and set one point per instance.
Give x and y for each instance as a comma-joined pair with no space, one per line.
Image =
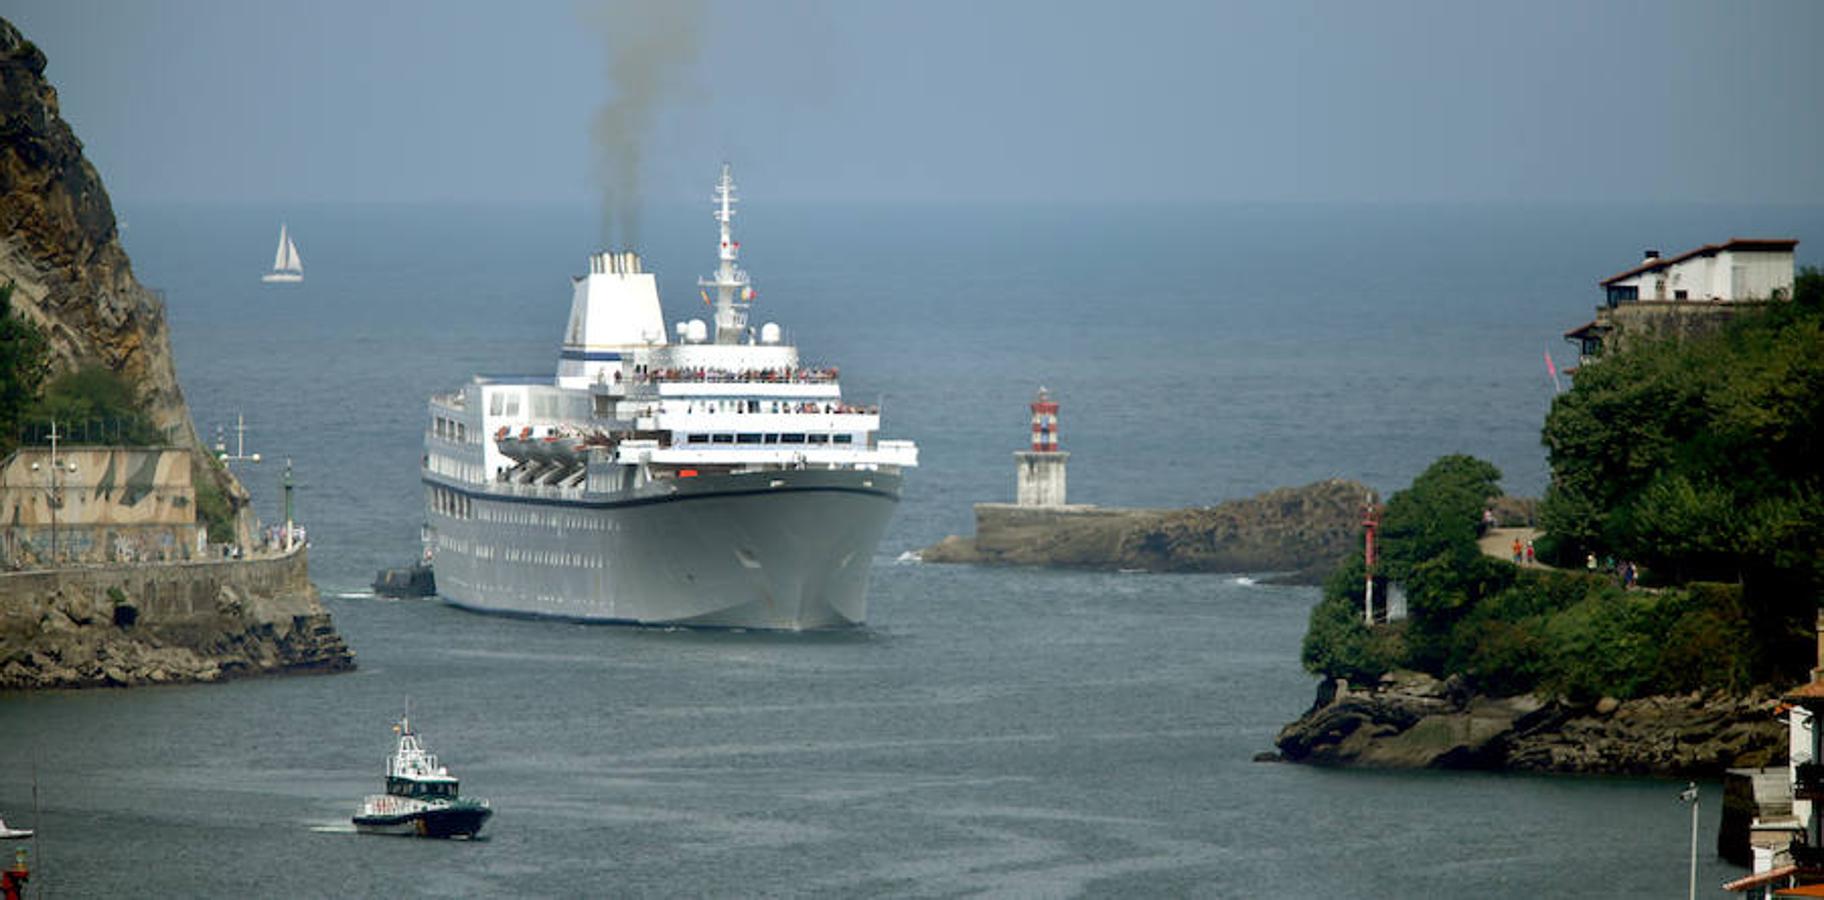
1499,542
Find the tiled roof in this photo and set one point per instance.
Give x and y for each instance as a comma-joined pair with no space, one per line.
1772,245
1759,878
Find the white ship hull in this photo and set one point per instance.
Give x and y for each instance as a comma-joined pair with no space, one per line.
778,549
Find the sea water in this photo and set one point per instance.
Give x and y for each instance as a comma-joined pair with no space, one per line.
1003,731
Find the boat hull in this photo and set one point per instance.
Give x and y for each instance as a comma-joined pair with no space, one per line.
444,822
780,549
281,278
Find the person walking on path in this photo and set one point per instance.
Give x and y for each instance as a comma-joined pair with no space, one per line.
1530,558
1589,562
1517,551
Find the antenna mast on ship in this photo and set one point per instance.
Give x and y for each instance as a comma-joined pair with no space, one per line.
733,291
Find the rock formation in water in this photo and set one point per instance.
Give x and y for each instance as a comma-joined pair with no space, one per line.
1301,531
1414,721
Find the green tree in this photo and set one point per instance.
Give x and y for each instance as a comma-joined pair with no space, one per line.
95,401
1699,459
24,365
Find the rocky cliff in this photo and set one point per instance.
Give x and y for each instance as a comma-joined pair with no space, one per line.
122,624
61,251
1301,531
1413,721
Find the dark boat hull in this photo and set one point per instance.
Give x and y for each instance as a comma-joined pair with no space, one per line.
447,822
409,581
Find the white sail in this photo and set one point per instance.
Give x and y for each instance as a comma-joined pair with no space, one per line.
278,259
293,262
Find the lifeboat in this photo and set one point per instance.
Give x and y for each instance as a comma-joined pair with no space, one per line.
564,449
514,446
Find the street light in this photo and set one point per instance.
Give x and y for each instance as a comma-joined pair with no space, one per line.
1689,795
53,496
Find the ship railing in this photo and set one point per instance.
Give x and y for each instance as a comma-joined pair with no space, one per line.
701,375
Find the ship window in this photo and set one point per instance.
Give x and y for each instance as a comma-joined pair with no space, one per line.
747,439
512,404
496,403
791,439
845,439
772,439
820,438
724,439
697,439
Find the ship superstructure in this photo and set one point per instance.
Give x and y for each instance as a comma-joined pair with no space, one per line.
702,477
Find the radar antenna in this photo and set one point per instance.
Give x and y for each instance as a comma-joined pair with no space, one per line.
733,291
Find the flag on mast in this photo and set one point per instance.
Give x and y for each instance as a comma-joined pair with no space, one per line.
1552,368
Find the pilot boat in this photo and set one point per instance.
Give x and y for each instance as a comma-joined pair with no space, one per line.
422,797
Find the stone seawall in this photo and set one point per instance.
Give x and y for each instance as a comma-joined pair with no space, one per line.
164,622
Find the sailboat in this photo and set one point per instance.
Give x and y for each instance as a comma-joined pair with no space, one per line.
287,266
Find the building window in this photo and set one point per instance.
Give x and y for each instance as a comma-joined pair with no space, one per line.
791,439
1681,295
724,439
747,439
820,438
845,439
697,439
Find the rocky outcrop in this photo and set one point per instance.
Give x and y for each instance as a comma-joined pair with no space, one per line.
60,250
1413,721
117,626
1303,532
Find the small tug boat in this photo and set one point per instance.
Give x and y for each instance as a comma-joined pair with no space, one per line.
421,796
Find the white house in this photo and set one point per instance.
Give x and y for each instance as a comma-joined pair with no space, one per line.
1736,270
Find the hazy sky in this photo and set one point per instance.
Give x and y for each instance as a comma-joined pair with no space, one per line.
267,102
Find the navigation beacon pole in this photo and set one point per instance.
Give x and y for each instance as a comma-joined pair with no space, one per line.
733,291
287,483
1370,521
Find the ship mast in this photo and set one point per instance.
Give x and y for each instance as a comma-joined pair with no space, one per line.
732,289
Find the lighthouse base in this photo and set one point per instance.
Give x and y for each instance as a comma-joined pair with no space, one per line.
1039,477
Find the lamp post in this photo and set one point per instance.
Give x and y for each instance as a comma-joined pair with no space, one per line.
53,496
1689,795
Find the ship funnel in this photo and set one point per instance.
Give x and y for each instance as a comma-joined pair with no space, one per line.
615,262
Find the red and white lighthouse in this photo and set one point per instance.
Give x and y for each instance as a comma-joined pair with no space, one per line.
1039,472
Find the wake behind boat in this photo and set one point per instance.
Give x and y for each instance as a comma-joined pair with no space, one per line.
713,480
8,834
287,265
422,798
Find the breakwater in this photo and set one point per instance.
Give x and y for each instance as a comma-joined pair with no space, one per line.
1302,532
154,623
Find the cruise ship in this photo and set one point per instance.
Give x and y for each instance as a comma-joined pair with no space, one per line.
699,475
